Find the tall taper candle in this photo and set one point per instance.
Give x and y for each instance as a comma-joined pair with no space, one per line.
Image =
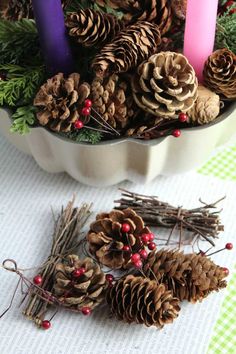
55,46
200,32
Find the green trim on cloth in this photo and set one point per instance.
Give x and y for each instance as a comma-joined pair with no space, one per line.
223,166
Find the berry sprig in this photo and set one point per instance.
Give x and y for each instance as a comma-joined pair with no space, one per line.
87,112
229,246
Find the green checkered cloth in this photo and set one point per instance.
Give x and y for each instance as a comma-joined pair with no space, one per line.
223,165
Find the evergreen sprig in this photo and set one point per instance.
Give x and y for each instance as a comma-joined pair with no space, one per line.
84,135
21,84
19,42
226,31
23,118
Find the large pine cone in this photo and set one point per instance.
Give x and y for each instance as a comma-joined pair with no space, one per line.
113,100
141,300
93,28
76,292
220,73
106,238
60,101
156,11
191,277
165,85
131,47
206,108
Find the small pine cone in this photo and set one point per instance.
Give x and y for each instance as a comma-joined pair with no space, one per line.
106,238
191,277
131,47
141,300
87,290
155,11
113,100
220,73
179,8
165,85
18,9
60,101
93,28
206,108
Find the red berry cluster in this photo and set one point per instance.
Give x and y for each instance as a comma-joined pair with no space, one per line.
138,257
86,111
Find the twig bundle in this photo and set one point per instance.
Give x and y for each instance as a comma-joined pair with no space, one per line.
65,240
201,222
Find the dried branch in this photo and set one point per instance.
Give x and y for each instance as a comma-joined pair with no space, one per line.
201,222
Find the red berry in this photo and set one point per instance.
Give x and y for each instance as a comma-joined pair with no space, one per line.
229,3
82,270
176,133
110,278
232,11
152,246
202,253
229,246
86,311
226,271
183,117
125,228
126,249
79,124
135,258
145,238
138,264
78,272
46,324
151,237
88,103
143,254
38,279
86,111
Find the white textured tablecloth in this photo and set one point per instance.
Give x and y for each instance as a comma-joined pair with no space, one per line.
26,195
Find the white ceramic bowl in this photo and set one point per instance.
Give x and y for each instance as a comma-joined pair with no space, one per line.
108,163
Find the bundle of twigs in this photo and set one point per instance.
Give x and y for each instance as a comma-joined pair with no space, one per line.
66,238
201,222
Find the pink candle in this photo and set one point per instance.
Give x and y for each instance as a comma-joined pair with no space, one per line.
200,32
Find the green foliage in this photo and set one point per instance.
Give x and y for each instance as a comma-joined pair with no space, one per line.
21,85
23,118
84,135
74,5
226,31
19,42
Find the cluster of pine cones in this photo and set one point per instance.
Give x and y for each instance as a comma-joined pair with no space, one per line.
136,81
151,296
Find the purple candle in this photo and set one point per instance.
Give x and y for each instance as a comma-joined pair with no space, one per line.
55,46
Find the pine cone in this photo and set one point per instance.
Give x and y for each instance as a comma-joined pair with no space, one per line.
141,300
106,239
87,290
156,11
206,108
18,9
191,277
113,100
220,73
179,8
60,101
132,46
93,28
165,85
